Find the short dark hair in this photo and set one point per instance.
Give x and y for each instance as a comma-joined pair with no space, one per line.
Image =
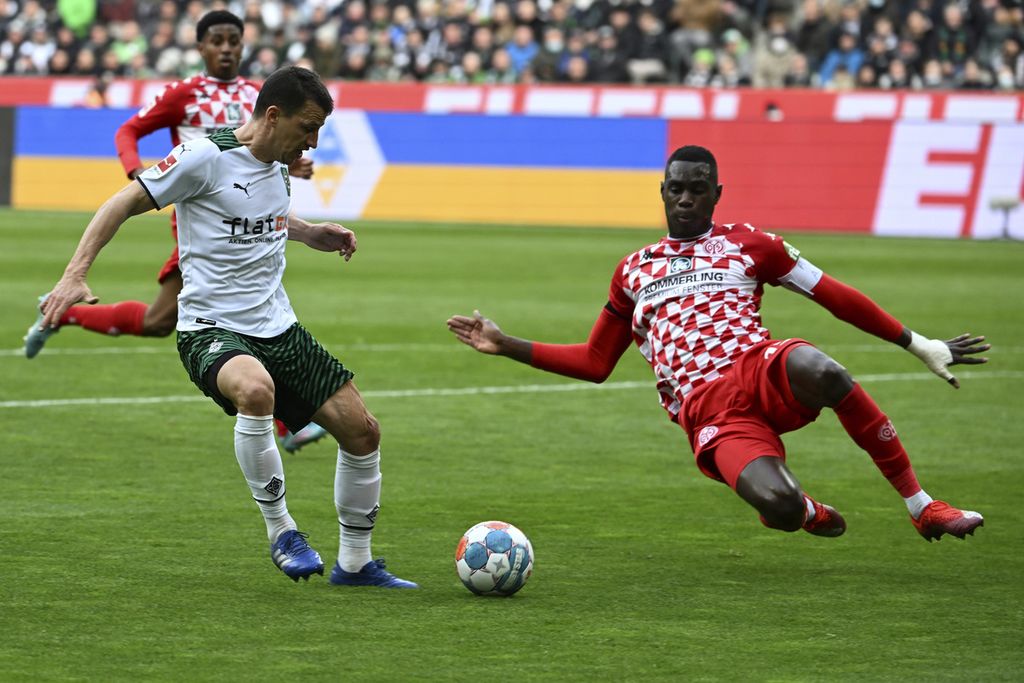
215,18
696,154
289,88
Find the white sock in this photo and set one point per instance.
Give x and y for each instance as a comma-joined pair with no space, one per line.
917,503
257,455
357,499
810,509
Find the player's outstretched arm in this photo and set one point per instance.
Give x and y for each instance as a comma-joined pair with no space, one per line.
484,335
592,361
322,236
856,308
72,288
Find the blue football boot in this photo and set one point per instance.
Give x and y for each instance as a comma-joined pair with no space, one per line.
308,434
372,574
35,338
294,557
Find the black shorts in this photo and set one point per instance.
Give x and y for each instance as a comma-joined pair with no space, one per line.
305,374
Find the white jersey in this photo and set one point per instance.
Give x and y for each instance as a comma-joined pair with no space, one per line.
232,229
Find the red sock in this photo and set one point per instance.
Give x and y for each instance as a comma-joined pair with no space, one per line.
870,429
281,429
113,319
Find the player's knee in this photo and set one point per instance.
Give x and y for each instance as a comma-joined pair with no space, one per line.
816,379
361,436
254,396
371,431
834,380
783,509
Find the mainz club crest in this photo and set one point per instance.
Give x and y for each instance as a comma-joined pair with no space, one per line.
714,247
707,434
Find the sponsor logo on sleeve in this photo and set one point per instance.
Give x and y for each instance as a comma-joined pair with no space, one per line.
793,252
166,165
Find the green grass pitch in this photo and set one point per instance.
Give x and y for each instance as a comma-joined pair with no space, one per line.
130,549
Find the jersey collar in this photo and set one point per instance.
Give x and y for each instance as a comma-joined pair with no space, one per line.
697,238
208,77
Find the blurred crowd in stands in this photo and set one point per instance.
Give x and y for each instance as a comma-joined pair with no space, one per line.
836,44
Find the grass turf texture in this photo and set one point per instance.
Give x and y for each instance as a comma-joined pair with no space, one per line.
131,550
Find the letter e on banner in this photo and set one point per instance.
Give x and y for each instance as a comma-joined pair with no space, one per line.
1002,180
912,180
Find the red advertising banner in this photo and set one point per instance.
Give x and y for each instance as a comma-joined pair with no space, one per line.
945,165
605,101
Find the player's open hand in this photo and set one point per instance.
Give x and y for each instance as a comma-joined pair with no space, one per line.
67,293
301,168
332,237
938,355
962,350
479,332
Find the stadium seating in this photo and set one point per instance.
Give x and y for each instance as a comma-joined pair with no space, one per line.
885,44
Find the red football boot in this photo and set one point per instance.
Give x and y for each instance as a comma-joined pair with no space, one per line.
942,518
827,521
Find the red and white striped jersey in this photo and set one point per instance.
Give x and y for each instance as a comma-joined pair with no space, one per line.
694,304
191,108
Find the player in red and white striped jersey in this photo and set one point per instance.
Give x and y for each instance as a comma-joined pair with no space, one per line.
691,302
190,109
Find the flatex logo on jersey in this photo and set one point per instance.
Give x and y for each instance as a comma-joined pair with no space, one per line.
245,230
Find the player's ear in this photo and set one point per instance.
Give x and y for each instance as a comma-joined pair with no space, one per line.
273,114
718,193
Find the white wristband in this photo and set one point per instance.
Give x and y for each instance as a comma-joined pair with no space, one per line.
933,353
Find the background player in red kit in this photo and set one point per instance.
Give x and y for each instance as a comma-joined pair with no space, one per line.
690,303
190,109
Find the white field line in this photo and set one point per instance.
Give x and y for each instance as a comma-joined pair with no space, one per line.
398,348
169,348
476,391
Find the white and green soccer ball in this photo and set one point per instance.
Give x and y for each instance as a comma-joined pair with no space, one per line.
494,558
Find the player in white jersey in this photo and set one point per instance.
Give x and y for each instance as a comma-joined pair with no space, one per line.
237,335
691,302
190,109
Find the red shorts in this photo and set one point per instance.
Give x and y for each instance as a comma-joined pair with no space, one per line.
738,417
171,266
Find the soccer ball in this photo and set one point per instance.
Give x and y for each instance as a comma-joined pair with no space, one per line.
494,558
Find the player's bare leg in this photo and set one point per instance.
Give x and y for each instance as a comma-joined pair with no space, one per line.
124,317
162,315
357,483
817,381
768,485
249,387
